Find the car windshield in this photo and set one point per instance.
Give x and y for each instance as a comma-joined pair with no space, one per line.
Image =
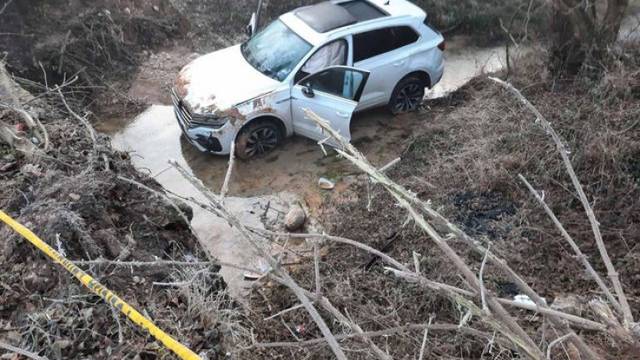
275,51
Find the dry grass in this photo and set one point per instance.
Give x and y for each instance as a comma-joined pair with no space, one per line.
465,160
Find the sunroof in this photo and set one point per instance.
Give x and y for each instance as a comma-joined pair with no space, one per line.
327,16
362,10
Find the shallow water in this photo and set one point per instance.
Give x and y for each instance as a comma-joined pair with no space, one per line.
291,172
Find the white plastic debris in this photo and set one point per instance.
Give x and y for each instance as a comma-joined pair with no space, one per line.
525,300
326,184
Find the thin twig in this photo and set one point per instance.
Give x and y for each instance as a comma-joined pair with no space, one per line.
227,177
424,339
163,197
280,313
288,280
576,249
316,266
87,125
483,290
22,352
389,331
5,6
556,342
144,263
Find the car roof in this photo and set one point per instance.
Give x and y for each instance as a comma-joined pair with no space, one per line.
331,19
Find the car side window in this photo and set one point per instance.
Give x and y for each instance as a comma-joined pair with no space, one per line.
339,81
372,43
331,54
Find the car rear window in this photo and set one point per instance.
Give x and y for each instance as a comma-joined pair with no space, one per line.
372,43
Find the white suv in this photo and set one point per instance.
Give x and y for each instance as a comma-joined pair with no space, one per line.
334,58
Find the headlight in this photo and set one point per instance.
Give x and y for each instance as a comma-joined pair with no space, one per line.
210,120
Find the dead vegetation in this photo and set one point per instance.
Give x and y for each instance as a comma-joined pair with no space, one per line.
379,288
472,151
69,190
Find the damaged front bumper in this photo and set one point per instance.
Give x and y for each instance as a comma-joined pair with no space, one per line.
209,139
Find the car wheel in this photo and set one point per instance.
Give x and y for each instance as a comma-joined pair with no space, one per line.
257,139
407,95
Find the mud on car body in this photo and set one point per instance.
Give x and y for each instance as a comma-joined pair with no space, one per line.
334,58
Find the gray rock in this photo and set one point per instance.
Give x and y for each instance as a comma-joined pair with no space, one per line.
569,304
295,218
326,184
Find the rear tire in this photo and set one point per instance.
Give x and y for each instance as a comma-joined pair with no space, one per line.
407,95
258,138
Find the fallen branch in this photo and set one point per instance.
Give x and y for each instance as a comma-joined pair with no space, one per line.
227,177
164,197
287,279
22,352
612,273
407,274
87,125
576,249
385,332
407,200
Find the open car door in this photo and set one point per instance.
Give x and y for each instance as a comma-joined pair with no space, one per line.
333,94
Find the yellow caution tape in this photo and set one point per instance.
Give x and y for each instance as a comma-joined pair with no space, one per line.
182,351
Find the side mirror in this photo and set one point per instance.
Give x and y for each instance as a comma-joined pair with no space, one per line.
307,90
253,25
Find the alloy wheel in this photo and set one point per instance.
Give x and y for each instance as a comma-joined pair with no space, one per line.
261,141
408,98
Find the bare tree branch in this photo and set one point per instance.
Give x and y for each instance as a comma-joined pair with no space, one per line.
288,280
22,352
595,225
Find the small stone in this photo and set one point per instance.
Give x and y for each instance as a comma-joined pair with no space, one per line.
74,197
295,218
326,184
136,280
127,11
156,8
569,304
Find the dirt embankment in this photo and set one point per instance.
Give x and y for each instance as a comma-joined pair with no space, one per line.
72,197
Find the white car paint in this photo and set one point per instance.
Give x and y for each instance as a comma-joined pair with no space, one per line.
223,78
224,83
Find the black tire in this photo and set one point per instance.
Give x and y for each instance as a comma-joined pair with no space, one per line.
407,95
258,138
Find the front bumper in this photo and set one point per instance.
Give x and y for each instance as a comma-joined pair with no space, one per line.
205,139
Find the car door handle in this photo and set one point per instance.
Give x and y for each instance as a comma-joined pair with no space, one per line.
399,63
342,114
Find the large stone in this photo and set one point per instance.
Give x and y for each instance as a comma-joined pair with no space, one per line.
295,218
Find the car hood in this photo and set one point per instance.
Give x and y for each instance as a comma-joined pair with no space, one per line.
219,80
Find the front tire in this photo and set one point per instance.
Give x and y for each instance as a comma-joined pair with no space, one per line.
407,95
257,139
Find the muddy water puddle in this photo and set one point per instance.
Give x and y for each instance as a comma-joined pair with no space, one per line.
152,139
263,189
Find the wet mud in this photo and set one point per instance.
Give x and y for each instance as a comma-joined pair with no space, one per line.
263,189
